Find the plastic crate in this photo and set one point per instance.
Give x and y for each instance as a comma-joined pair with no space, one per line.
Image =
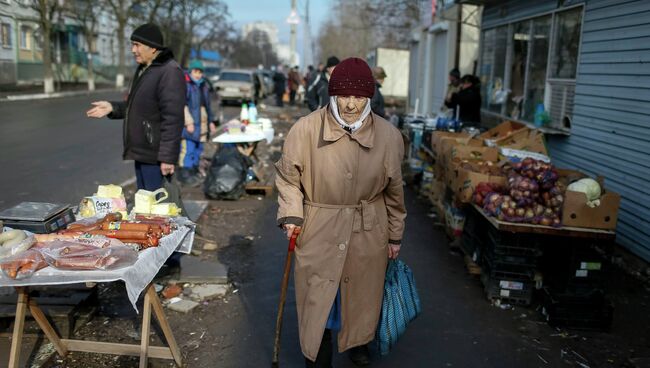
579,268
509,291
515,240
500,268
591,311
512,245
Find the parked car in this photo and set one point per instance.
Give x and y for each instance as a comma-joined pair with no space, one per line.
236,85
212,73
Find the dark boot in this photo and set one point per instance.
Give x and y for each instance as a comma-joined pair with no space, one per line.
324,357
360,356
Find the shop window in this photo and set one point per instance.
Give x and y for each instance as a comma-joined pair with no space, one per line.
538,59
493,67
529,68
564,60
521,40
5,35
25,38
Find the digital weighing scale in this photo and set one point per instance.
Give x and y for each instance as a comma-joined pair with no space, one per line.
37,217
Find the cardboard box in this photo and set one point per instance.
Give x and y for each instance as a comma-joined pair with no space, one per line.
464,182
438,136
525,140
576,212
448,144
437,190
500,132
458,153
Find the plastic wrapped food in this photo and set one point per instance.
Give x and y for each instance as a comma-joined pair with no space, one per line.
17,246
79,256
22,265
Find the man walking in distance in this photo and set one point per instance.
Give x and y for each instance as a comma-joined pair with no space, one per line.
153,111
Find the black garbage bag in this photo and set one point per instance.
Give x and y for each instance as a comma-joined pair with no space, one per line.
227,174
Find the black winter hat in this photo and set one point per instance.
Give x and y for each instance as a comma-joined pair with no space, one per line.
332,61
149,34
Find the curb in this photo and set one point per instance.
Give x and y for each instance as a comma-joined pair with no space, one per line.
43,96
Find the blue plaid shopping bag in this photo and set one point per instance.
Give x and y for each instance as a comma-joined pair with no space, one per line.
400,305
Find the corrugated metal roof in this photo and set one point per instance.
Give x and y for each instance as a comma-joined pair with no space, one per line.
610,133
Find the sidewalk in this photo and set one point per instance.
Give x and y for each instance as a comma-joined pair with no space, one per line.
35,92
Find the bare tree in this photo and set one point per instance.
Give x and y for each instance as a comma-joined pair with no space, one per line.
47,10
124,10
355,27
86,12
189,24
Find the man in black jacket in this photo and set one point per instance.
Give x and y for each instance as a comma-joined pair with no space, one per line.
317,95
153,111
468,100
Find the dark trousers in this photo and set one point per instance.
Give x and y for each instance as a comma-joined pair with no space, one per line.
324,357
278,99
148,176
292,97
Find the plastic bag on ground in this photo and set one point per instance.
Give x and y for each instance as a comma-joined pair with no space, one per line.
227,174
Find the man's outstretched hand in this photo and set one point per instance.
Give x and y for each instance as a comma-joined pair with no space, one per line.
99,109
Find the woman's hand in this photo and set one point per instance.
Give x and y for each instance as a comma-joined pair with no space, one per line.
190,128
289,229
393,250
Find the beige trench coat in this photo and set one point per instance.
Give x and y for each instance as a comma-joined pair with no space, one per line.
348,189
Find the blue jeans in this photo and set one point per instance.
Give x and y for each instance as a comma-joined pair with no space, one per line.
148,176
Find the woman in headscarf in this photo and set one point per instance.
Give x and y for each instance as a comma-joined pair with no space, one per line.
340,181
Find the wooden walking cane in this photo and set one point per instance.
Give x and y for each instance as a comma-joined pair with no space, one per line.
283,296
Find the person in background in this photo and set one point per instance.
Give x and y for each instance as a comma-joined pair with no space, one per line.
339,179
317,95
454,84
279,85
377,102
153,110
468,100
198,117
294,84
309,74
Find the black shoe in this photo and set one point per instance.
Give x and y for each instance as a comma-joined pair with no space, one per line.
360,356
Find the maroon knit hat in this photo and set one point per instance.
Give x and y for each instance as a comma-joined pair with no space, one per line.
352,77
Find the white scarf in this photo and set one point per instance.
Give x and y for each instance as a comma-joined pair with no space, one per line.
334,107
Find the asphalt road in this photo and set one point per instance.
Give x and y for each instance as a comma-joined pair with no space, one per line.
51,152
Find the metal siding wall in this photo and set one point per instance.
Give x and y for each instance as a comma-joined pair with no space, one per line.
511,10
610,133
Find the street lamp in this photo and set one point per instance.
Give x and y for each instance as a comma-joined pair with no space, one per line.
293,20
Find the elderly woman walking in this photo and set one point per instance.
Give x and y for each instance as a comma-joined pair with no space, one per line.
340,181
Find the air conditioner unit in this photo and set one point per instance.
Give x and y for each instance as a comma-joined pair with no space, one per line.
562,94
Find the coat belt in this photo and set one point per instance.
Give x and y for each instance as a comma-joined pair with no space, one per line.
364,208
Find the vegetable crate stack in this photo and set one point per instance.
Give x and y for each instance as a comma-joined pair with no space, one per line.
508,261
574,285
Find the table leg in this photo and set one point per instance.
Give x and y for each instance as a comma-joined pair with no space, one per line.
19,324
146,326
164,325
47,328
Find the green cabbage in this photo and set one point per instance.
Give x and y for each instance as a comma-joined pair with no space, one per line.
589,187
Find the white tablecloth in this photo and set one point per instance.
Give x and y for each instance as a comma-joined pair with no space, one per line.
251,137
135,277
